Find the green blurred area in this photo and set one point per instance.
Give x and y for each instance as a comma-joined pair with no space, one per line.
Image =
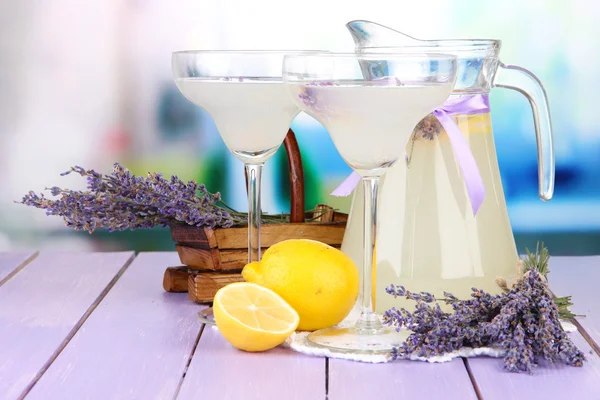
209,170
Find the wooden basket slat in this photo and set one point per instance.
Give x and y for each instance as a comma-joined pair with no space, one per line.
203,286
237,238
199,258
220,260
202,238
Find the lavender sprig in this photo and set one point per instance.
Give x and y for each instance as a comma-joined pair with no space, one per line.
428,128
539,261
523,322
121,201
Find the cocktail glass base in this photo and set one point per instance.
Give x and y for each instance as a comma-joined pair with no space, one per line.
349,340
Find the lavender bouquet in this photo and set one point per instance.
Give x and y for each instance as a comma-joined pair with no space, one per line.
121,200
523,322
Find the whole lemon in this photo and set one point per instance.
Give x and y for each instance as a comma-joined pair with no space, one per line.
317,280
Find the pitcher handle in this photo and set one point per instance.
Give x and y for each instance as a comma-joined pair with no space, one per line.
523,81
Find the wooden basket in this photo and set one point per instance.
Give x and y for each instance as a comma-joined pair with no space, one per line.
226,249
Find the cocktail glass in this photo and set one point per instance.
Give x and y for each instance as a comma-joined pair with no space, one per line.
370,121
244,93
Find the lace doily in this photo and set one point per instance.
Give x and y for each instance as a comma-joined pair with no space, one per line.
297,342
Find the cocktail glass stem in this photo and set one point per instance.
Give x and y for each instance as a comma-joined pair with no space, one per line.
368,322
253,175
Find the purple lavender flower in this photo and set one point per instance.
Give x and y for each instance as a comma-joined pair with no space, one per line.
523,322
428,128
310,94
308,97
121,201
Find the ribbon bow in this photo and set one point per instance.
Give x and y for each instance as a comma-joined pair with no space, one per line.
475,104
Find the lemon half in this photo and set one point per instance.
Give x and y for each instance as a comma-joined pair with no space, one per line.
252,317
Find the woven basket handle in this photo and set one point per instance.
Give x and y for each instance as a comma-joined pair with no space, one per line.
296,177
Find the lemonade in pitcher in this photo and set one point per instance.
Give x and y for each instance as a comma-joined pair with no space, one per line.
432,237
435,259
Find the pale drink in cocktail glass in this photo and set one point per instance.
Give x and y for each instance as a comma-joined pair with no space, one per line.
370,121
244,93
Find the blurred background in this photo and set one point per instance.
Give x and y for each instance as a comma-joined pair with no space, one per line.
90,84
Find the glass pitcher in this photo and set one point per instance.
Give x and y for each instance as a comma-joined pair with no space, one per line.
429,238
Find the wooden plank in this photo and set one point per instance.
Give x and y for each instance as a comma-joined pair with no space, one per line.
322,213
135,345
237,238
399,380
325,213
43,306
175,279
234,259
546,382
199,258
340,217
203,286
580,278
201,238
11,263
213,259
218,371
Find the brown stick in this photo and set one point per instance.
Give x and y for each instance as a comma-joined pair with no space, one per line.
296,177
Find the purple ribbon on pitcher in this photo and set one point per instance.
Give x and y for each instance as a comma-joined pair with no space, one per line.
475,104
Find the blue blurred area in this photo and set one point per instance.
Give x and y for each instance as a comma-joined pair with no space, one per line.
575,206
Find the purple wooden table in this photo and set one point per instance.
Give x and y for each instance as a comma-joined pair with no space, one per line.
99,326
